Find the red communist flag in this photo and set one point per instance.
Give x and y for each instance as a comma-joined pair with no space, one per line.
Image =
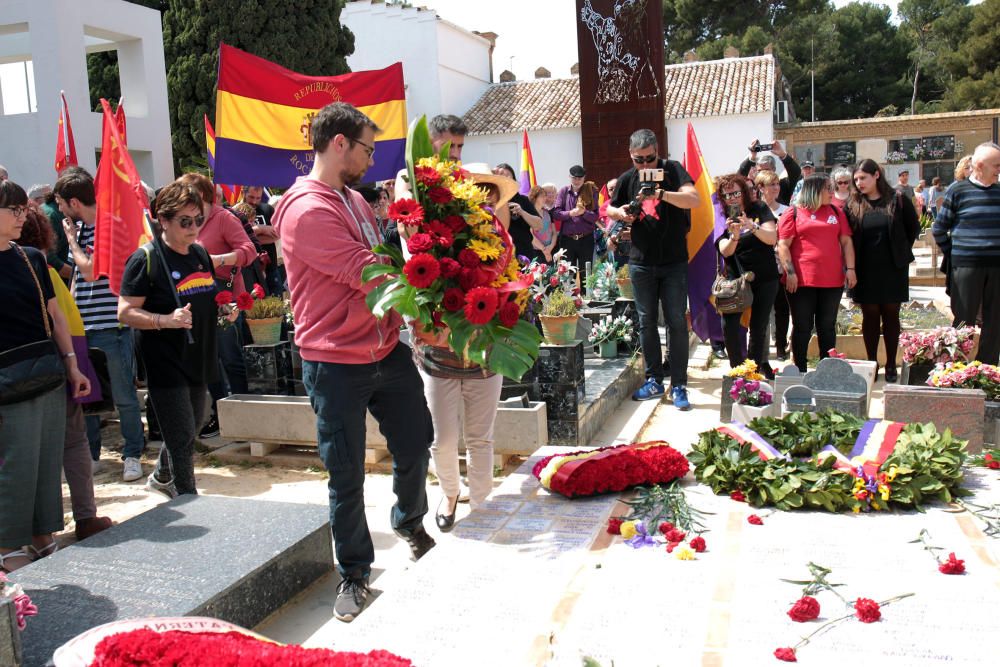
121,225
65,146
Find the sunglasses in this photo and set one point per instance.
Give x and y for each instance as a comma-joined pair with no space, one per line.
843,182
640,159
185,222
732,195
18,211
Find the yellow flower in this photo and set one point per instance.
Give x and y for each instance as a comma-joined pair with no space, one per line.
884,492
875,505
485,249
628,530
856,509
684,553
891,475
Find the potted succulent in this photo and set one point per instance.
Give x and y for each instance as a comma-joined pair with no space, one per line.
624,280
559,316
923,350
751,399
264,319
608,332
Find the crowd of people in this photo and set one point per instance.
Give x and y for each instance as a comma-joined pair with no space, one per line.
803,235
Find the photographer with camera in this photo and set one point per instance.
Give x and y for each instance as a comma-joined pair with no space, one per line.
767,163
653,199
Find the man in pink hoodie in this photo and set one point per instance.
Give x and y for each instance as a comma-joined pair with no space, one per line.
351,361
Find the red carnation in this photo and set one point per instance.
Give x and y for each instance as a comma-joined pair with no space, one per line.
419,243
244,301
738,496
614,526
698,544
480,305
952,565
439,195
991,463
455,223
406,211
805,609
785,654
454,300
449,267
257,291
422,270
675,535
469,259
867,610
755,520
509,312
665,527
427,176
224,297
671,546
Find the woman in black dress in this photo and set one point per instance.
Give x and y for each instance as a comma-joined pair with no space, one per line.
748,245
884,226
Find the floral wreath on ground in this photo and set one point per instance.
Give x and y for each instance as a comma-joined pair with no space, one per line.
831,460
610,469
462,273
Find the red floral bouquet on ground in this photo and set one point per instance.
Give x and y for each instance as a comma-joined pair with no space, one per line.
610,469
462,275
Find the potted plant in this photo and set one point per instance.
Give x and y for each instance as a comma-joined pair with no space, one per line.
751,399
608,332
923,350
624,280
559,316
976,375
264,319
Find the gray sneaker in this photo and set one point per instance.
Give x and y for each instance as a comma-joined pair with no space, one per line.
352,594
166,488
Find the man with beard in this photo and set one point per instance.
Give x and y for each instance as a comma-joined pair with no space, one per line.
351,361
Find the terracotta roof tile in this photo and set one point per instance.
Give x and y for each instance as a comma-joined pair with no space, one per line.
713,88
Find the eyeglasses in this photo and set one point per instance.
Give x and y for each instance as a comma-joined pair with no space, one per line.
732,195
643,159
18,211
185,222
370,150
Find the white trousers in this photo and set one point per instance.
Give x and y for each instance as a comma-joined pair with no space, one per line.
471,404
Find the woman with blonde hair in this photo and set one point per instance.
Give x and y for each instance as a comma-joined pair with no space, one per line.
964,168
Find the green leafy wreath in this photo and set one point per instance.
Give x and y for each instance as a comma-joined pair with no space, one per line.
924,466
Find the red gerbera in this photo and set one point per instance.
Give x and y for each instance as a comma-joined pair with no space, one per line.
439,195
785,654
867,610
244,301
406,211
453,300
480,305
455,223
427,176
449,267
468,259
509,312
419,243
257,291
224,297
952,565
422,270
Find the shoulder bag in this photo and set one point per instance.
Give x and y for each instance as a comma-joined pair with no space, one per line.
732,295
28,371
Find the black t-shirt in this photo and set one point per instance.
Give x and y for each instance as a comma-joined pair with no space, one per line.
520,231
22,318
264,213
662,241
754,254
169,359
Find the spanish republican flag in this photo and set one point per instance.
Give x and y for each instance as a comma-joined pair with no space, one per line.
65,146
122,224
232,193
265,112
702,261
527,176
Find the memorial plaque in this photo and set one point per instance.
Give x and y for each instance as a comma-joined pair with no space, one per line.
560,363
939,148
620,48
234,559
840,152
961,410
904,150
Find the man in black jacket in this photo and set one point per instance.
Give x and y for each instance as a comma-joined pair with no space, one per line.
658,260
767,163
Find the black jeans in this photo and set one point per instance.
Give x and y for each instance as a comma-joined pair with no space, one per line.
809,306
341,394
578,252
664,284
973,288
782,317
760,316
181,414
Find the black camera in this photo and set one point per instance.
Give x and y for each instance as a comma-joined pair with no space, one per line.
649,180
759,147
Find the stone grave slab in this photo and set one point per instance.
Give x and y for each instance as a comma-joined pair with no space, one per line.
789,376
961,410
798,398
836,386
991,423
234,559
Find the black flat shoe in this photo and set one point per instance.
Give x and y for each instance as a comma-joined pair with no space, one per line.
445,522
891,375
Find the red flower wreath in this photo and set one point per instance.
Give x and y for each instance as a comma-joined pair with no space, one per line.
614,469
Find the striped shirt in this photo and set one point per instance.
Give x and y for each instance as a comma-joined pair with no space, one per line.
968,224
98,305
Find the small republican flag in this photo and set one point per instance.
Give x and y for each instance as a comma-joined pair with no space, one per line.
527,178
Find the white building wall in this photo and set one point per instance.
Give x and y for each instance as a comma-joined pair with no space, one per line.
723,139
58,33
554,152
463,67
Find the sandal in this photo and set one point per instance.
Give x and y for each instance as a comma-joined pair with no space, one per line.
17,553
47,550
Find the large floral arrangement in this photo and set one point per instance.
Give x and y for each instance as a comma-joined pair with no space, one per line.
976,375
462,275
23,607
612,329
547,279
938,346
610,469
831,460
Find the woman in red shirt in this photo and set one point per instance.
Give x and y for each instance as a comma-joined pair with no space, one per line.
815,249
